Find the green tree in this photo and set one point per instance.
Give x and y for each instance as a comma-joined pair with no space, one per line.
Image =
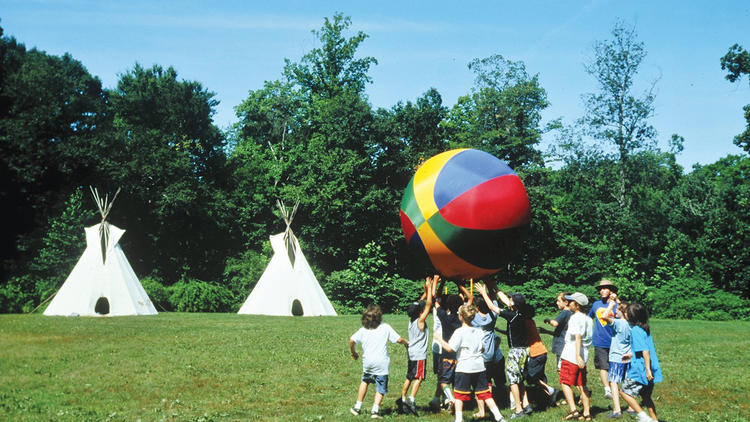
502,114
737,62
53,118
615,115
171,167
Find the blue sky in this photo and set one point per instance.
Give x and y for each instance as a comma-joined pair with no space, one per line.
234,46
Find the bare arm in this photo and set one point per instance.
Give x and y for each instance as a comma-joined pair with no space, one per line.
466,293
355,356
428,287
608,313
647,361
503,298
483,291
403,341
579,358
444,344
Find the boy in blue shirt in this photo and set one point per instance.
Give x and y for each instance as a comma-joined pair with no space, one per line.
602,333
644,370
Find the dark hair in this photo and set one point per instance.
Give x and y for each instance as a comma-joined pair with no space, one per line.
371,317
415,309
638,315
453,302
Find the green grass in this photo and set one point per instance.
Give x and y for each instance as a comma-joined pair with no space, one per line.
191,367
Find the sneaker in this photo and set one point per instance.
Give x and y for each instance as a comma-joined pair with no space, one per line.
630,411
528,410
518,415
400,406
375,415
434,405
614,415
607,394
500,419
354,411
411,407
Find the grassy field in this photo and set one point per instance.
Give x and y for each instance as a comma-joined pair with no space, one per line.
216,367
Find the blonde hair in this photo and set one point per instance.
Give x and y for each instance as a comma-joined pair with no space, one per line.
467,312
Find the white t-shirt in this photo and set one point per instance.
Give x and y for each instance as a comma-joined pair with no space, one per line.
467,342
580,324
375,359
436,328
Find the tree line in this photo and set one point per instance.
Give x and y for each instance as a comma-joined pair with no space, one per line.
198,202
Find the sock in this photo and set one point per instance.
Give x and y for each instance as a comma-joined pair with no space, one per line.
448,393
607,390
550,390
411,399
496,413
403,398
358,405
459,416
375,408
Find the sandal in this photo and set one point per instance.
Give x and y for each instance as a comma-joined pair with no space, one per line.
585,418
572,415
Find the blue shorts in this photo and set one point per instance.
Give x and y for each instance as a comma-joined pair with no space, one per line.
381,382
617,371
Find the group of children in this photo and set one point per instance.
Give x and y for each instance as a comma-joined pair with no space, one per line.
468,361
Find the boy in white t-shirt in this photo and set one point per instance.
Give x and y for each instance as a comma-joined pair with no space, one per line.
374,338
574,356
467,342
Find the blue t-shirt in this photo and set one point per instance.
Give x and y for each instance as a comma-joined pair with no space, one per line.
491,352
602,330
640,341
620,341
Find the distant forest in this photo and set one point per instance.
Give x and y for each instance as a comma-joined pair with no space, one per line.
199,203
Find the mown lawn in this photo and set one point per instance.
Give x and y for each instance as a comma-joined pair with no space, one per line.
204,367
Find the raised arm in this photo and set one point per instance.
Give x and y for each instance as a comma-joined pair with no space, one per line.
608,314
483,291
428,288
503,298
465,292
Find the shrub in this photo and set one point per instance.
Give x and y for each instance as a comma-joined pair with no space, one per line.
157,292
191,295
242,272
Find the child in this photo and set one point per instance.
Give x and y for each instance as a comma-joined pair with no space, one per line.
416,369
437,329
466,342
602,333
494,361
374,338
561,326
619,351
534,373
574,356
447,310
644,370
518,344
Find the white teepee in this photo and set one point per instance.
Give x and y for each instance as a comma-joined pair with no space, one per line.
288,285
102,282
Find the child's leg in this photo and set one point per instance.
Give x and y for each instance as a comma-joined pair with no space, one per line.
569,397
615,397
480,409
415,387
493,408
631,401
649,403
516,392
362,391
405,388
459,408
378,399
585,400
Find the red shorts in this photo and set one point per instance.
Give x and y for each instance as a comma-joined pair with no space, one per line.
571,374
416,370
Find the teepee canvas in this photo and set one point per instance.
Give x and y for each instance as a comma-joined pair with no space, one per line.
288,285
102,282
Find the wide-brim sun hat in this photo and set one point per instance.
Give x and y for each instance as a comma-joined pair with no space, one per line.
606,283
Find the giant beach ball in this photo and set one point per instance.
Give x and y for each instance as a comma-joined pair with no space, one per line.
465,211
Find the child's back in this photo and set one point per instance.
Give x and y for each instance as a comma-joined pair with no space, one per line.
375,358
